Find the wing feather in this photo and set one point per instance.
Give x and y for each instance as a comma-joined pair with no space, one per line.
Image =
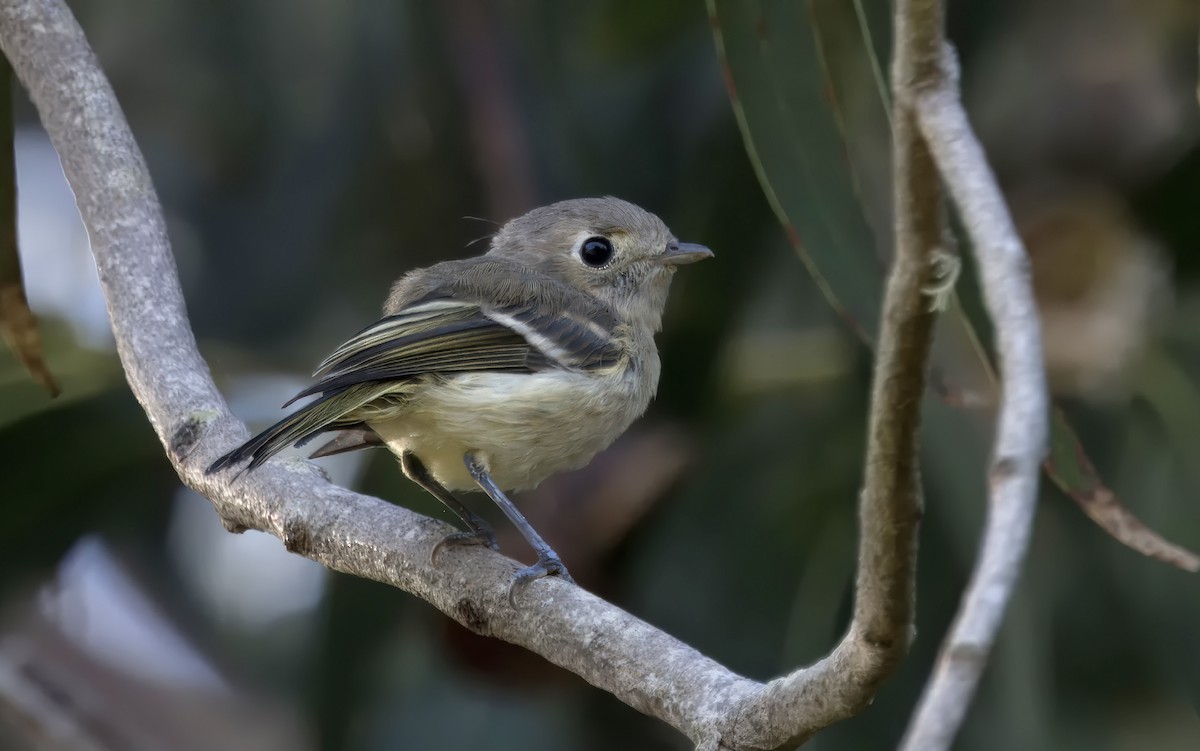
445,336
438,335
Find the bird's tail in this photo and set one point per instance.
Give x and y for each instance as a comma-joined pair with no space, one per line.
332,411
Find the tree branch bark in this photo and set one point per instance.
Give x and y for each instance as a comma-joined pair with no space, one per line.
1022,428
364,536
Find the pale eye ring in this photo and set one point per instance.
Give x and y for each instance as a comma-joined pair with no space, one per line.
596,251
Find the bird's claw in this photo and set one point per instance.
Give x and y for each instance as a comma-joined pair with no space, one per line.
474,537
547,565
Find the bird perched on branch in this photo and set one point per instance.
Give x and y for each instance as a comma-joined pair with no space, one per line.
493,373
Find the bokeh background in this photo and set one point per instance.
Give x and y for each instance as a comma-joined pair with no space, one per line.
307,152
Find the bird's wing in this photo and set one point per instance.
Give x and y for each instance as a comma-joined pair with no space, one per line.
437,335
443,336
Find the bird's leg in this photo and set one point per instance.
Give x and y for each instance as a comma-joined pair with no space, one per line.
548,562
479,532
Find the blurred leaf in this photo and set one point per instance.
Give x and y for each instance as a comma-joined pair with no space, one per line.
795,75
779,98
85,372
18,327
1071,471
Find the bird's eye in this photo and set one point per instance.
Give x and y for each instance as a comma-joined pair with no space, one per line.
596,251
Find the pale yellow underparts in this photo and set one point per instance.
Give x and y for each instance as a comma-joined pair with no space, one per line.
524,427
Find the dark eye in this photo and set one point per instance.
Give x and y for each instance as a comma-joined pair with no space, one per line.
596,251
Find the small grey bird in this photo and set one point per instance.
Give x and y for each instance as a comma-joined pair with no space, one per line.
493,373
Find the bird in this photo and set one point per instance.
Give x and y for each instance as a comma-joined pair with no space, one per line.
494,372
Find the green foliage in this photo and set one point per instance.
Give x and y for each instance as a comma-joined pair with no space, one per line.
796,76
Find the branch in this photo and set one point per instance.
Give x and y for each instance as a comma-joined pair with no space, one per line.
884,608
367,537
1022,430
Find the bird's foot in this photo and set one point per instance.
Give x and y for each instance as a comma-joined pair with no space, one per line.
481,536
548,564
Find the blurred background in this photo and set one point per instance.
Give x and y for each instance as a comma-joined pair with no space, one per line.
308,152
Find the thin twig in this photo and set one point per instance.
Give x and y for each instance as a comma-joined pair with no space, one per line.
367,537
1022,429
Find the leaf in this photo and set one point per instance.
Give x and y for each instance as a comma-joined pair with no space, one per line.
18,326
83,372
807,89
778,98
1070,469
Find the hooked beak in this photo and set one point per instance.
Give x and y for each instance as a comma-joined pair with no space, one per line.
678,254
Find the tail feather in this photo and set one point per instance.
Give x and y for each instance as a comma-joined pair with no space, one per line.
329,412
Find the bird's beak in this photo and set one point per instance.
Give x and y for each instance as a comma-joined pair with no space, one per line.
677,253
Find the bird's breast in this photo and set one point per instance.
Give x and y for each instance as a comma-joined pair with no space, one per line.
525,427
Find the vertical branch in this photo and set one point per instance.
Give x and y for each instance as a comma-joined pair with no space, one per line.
890,509
1023,415
905,337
